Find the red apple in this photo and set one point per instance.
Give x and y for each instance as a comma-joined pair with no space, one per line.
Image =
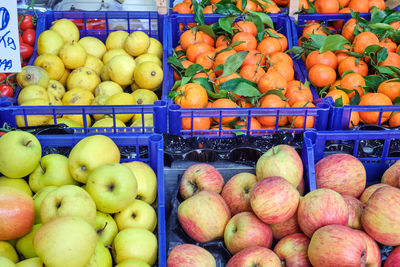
281,160
187,255
392,175
200,177
393,260
373,252
337,245
369,191
292,250
355,207
204,216
319,208
236,192
288,227
16,213
274,200
255,256
246,230
341,172
381,216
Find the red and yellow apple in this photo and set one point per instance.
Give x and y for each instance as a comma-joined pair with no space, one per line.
373,253
288,227
292,250
188,255
369,191
393,260
355,207
255,256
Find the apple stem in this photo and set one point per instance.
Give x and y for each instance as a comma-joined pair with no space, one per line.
283,262
27,143
273,151
99,231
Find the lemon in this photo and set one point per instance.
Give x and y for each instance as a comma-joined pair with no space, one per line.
54,100
122,99
73,55
108,122
155,48
148,57
99,101
68,122
116,39
49,42
78,96
139,117
93,46
33,75
52,64
32,92
137,43
139,123
56,88
84,78
78,119
108,88
33,120
94,63
112,53
104,74
64,78
121,69
148,75
67,29
144,97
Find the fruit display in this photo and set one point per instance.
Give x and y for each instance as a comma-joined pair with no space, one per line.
84,207
359,66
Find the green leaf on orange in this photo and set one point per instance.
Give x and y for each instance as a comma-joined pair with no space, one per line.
245,89
233,63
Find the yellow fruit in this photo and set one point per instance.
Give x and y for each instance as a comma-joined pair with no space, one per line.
73,55
139,123
54,100
33,120
56,88
78,119
148,57
148,75
67,29
93,46
78,97
116,39
99,101
144,97
32,92
155,48
84,78
108,122
33,75
64,78
49,42
112,53
104,75
68,122
139,117
108,88
122,99
121,69
52,64
94,63
137,43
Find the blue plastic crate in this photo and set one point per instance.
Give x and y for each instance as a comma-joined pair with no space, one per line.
154,27
377,156
176,113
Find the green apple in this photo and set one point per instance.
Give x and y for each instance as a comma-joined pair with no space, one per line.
135,243
52,170
6,262
25,244
146,179
106,228
112,186
20,154
101,257
16,183
68,200
133,263
138,214
8,251
38,198
65,242
32,262
90,153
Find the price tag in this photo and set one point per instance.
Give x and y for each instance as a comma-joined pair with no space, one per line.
10,59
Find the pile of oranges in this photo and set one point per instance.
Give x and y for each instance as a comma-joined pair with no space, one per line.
242,68
365,71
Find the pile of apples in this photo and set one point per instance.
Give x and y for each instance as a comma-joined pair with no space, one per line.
88,208
338,224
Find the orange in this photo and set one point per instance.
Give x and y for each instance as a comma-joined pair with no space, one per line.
315,57
271,9
246,26
282,2
244,124
224,103
250,42
209,9
327,6
269,46
337,94
363,40
182,8
221,58
272,101
374,99
388,44
315,28
321,75
378,3
285,69
299,92
252,72
272,80
354,64
394,121
282,39
393,59
344,3
353,81
303,4
341,56
302,121
186,64
199,123
335,85
390,88
280,56
214,1
191,95
205,38
226,78
195,50
354,119
395,25
361,6
206,59
250,5
209,75
222,41
254,57
348,28
190,37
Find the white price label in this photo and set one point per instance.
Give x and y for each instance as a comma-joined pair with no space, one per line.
10,59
